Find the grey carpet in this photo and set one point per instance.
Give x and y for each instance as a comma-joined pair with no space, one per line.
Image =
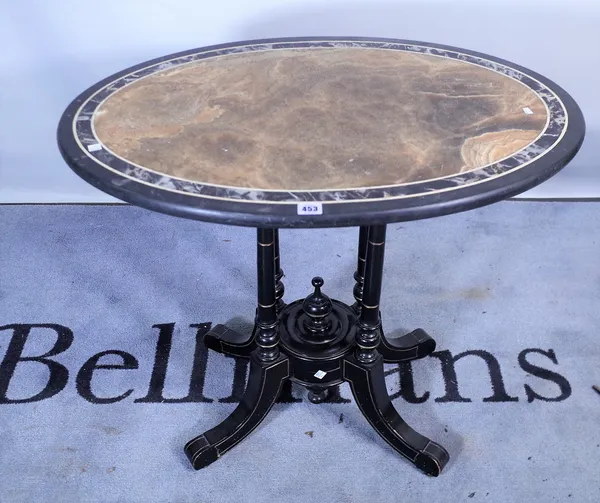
517,283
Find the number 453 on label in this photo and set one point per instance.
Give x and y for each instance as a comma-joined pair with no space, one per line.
310,208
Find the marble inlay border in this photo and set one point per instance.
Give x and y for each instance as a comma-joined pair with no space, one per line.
89,143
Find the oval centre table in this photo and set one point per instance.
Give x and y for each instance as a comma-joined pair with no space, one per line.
320,132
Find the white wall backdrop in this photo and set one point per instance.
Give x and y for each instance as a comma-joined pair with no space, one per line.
54,49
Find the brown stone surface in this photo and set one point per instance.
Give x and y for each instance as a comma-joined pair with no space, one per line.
319,119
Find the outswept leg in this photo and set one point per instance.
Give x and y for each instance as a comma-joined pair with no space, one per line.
264,385
224,340
367,383
269,368
412,346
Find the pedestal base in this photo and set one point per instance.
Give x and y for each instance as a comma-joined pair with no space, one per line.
319,367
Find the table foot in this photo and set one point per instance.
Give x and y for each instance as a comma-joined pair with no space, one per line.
227,341
318,395
412,346
264,385
367,383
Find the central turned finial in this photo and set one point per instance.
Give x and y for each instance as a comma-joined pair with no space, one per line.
317,307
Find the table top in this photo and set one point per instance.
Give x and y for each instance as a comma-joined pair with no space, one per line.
320,132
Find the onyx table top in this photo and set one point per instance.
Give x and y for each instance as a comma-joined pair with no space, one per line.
315,132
